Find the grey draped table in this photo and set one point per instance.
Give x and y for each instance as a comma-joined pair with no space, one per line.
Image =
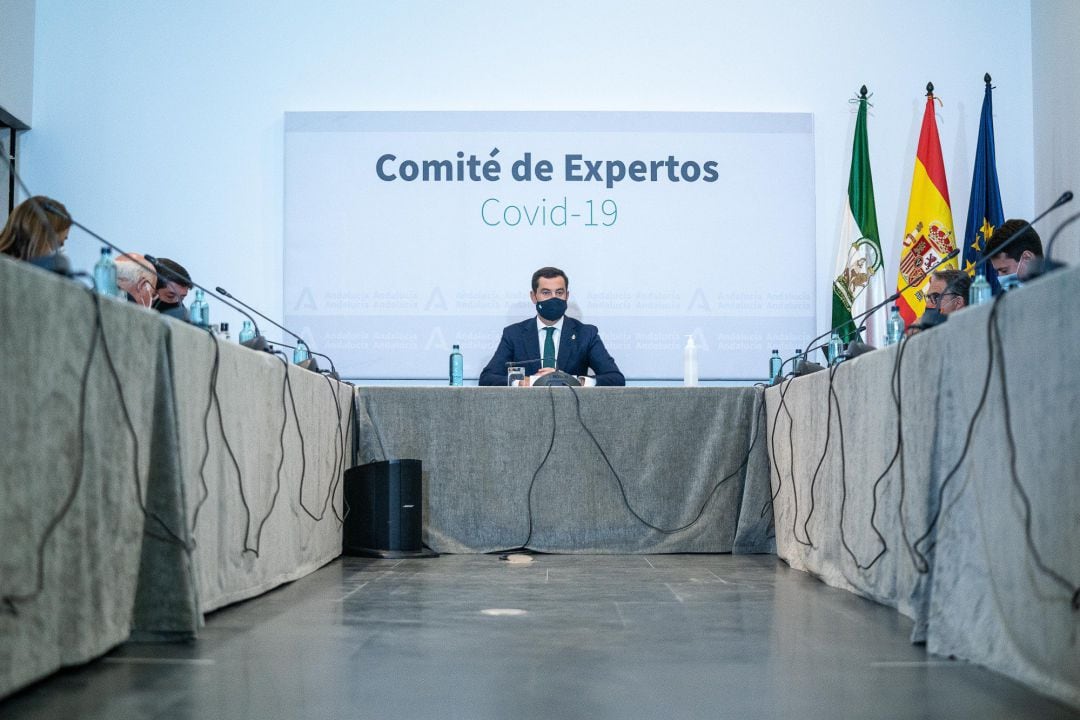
953,553
142,527
272,461
94,556
677,451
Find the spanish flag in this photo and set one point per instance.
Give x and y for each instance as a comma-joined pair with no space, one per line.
928,233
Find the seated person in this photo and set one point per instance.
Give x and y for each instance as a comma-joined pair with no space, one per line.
173,285
135,277
932,294
1014,262
25,236
955,294
568,345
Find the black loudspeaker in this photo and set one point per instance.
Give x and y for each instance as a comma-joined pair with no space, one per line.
385,516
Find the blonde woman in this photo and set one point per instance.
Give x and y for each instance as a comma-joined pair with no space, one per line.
27,237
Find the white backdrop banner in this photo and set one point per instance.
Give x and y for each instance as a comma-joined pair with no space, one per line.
406,233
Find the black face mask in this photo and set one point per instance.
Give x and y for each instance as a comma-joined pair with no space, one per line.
551,309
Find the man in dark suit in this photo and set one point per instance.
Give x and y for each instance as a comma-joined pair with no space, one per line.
552,341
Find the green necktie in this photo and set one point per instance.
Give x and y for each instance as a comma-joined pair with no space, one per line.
549,347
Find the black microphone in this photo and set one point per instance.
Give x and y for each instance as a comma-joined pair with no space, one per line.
332,372
1046,265
511,363
309,364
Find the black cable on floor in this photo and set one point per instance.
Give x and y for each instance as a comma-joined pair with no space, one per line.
206,439
843,494
922,563
281,462
170,536
912,553
784,386
228,445
338,469
895,388
622,488
1029,540
303,457
791,463
11,600
528,495
829,395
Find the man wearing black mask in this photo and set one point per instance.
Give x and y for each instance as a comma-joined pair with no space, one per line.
552,341
173,285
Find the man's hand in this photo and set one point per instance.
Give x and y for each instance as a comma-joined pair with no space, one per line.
527,381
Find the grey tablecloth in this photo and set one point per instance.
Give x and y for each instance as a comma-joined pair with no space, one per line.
991,592
97,557
270,510
677,452
131,556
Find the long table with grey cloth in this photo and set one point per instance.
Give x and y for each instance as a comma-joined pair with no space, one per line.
969,527
541,468
101,474
263,447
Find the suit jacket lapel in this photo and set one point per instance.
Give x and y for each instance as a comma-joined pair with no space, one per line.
567,344
532,344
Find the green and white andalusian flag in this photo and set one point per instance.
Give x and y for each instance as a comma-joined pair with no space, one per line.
859,282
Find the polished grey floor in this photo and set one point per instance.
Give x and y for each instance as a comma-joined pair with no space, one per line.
707,636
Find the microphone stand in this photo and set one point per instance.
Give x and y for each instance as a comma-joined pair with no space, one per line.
332,373
1048,264
309,364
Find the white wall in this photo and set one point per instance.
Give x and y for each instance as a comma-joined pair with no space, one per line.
160,125
1055,33
17,60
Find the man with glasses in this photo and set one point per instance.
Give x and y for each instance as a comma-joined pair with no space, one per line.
946,293
552,341
955,294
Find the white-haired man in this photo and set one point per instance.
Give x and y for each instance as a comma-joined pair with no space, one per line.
135,276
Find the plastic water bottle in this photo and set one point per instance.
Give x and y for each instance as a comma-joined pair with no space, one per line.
894,329
300,353
690,363
247,332
775,363
457,366
105,274
836,346
200,311
980,291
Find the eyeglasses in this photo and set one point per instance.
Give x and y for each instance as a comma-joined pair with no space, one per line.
934,298
548,294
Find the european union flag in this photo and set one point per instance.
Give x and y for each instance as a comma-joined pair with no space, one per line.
984,210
